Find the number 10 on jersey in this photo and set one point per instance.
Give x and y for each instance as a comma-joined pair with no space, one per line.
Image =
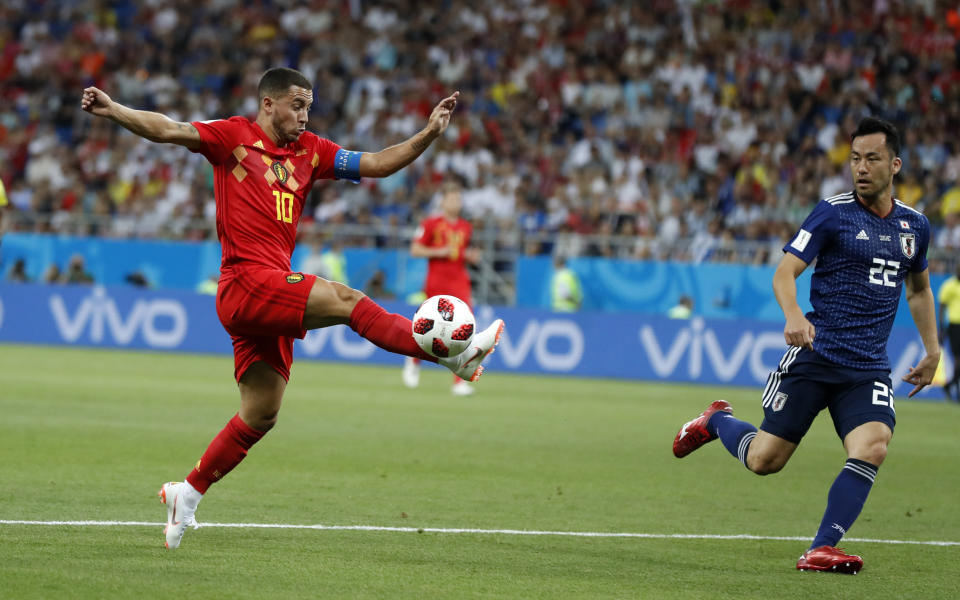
284,206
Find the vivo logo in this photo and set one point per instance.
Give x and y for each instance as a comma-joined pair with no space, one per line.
343,343
697,343
534,339
162,323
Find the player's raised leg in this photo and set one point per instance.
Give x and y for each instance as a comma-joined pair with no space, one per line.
332,303
758,450
261,393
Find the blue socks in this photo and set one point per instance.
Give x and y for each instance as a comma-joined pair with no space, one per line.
845,501
735,434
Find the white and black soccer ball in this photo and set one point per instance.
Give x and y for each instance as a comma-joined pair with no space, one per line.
443,326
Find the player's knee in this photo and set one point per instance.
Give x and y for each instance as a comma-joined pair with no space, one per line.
764,464
346,295
874,453
264,420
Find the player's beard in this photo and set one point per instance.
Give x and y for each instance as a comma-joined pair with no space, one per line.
286,135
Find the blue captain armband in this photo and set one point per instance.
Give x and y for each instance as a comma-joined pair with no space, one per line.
346,165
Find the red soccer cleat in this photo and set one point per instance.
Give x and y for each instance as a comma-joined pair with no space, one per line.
694,433
830,559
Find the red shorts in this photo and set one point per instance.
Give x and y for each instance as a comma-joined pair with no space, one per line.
262,310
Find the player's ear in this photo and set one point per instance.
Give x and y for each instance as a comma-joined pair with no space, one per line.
897,163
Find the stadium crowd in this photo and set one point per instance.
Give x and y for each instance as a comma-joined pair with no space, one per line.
666,129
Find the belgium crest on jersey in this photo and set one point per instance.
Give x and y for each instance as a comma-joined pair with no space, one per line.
908,244
280,171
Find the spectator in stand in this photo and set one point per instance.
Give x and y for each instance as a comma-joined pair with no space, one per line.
18,272
633,100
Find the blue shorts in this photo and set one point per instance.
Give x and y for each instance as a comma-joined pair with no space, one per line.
805,383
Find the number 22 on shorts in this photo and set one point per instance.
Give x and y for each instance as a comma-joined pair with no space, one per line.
284,206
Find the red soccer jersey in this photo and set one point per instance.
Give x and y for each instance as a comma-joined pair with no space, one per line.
447,275
260,189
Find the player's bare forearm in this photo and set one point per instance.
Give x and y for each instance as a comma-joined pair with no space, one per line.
149,125
923,310
390,160
154,126
421,251
797,331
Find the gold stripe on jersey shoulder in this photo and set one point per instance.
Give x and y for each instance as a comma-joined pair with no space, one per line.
258,144
315,160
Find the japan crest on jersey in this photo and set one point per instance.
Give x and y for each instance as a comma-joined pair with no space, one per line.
778,401
908,244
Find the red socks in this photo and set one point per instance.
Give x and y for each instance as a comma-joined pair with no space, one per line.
388,330
224,453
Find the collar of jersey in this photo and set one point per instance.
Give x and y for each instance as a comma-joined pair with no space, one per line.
268,144
893,205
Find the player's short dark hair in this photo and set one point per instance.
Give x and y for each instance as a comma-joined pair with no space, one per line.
275,82
874,125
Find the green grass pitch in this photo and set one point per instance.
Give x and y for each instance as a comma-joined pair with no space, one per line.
90,435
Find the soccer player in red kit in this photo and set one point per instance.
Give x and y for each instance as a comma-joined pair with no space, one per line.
444,239
263,171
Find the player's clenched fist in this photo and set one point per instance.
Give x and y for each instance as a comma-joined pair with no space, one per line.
95,101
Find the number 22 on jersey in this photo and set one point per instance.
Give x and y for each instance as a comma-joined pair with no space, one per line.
284,206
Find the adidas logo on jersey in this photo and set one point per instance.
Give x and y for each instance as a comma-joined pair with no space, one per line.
863,235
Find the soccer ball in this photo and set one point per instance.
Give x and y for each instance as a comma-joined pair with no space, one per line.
443,326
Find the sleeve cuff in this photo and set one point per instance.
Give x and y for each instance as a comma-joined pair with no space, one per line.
346,165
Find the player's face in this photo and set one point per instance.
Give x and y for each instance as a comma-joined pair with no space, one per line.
451,204
289,115
872,165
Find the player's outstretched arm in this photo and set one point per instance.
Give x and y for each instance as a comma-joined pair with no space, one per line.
150,125
798,331
920,301
390,160
418,250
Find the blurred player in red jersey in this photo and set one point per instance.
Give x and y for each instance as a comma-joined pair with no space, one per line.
263,171
444,239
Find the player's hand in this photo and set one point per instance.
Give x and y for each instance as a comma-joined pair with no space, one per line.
440,117
472,255
96,102
799,332
922,374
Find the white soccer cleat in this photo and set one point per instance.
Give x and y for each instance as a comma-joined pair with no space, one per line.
467,365
411,372
462,388
179,517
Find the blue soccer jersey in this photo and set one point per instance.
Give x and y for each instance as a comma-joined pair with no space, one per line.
862,260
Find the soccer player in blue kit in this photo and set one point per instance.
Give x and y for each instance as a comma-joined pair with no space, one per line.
867,244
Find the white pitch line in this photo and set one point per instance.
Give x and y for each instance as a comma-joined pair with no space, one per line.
593,534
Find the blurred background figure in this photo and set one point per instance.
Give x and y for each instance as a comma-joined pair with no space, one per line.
329,263
949,297
209,285
565,291
377,286
18,272
77,271
683,308
444,240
